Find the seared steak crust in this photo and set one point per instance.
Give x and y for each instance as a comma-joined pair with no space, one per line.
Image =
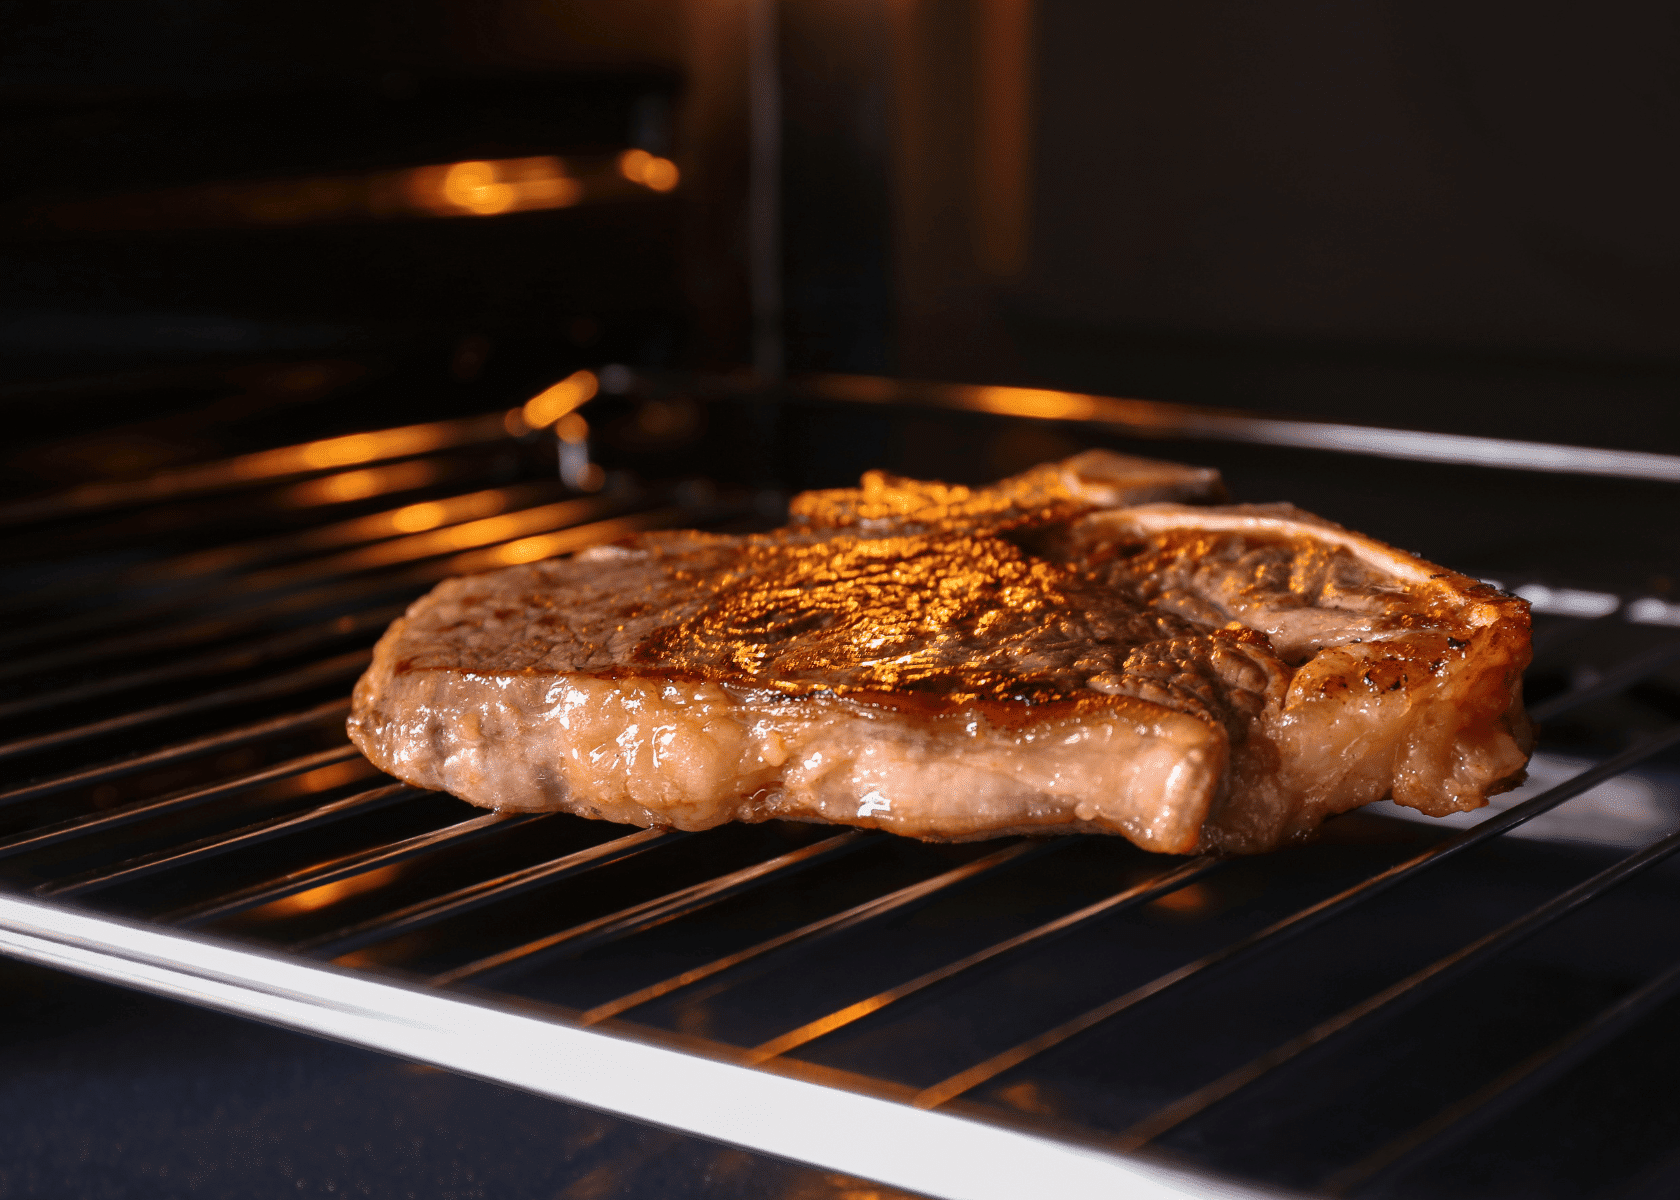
954,663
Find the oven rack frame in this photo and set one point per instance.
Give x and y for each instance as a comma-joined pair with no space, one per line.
928,1140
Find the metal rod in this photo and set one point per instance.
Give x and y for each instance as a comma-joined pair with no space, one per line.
935,1154
225,740
263,689
226,474
1155,418
249,835
465,899
851,917
1298,922
1140,893
345,865
1612,683
43,836
392,552
220,662
657,910
1410,990
1458,1121
217,560
365,581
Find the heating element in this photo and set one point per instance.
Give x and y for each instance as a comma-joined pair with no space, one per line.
1404,1007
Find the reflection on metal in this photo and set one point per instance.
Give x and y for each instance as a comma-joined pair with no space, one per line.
1296,923
552,403
563,541
824,927
1407,991
658,910
474,188
328,894
249,469
1650,611
250,835
228,739
1569,602
1623,813
486,188
350,486
652,172
101,822
1156,418
932,1153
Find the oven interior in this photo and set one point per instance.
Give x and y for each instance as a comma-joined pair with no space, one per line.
1480,1007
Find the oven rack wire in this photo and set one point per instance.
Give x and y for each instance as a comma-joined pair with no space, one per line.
201,837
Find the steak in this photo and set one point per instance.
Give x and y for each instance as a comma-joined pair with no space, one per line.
1047,655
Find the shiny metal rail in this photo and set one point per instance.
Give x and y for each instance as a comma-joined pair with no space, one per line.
1160,419
1410,990
303,679
932,1153
227,739
1462,1119
1296,923
358,568
250,835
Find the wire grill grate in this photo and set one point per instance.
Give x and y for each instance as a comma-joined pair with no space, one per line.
214,791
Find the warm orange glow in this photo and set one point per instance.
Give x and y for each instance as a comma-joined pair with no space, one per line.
412,518
562,541
652,172
548,406
1186,901
323,778
514,422
359,485
488,187
329,893
1034,402
465,536
349,449
418,517
572,428
473,186
661,175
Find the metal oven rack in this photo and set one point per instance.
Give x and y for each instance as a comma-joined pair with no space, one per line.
181,813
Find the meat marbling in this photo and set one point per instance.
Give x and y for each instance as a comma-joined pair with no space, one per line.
1047,655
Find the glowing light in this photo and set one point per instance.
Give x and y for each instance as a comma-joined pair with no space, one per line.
652,172
329,893
1187,900
322,778
1034,402
661,175
562,541
465,536
548,406
359,485
418,517
489,187
572,428
346,450
473,186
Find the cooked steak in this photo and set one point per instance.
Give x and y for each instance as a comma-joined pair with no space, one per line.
957,663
